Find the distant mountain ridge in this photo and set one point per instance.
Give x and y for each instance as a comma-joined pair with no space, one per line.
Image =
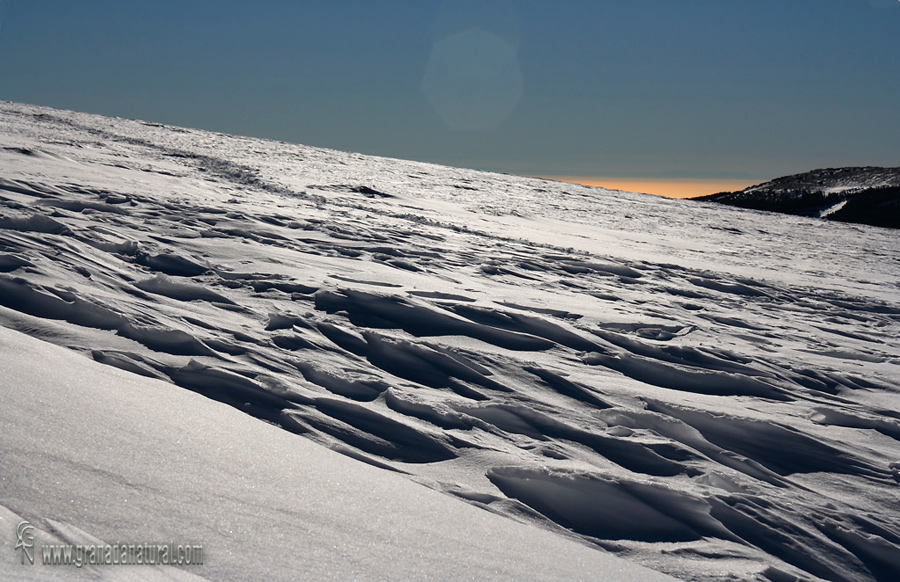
862,195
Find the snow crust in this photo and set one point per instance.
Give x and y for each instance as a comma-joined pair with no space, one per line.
703,390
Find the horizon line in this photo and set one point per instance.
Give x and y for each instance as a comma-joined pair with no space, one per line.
665,187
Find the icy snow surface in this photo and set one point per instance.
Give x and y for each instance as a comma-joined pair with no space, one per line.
706,391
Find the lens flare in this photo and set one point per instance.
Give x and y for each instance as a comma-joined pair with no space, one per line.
473,79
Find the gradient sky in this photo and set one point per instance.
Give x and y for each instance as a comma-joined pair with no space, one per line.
642,89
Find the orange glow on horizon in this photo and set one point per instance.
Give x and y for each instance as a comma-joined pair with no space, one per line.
669,188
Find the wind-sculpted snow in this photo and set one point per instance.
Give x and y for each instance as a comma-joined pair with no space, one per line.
709,392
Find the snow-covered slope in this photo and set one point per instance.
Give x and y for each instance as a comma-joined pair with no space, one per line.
707,391
867,195
831,181
96,455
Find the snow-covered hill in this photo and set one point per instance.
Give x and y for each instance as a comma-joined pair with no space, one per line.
867,195
706,391
832,181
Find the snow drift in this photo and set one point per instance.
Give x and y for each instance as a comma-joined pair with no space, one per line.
706,391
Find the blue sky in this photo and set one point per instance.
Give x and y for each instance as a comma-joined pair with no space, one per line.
741,89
